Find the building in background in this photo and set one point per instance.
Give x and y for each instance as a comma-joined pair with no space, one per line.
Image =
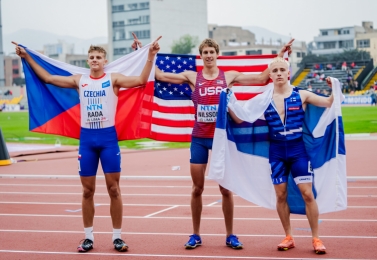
149,19
14,75
234,40
367,41
336,40
64,52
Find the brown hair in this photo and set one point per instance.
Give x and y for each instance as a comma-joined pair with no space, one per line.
97,48
209,43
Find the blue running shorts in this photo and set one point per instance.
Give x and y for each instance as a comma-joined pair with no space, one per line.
95,145
199,149
289,156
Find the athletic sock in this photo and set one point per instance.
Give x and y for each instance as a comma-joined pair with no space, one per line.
117,233
89,233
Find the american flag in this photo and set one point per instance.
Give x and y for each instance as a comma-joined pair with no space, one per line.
173,110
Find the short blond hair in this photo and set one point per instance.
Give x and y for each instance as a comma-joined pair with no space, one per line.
97,48
209,43
278,59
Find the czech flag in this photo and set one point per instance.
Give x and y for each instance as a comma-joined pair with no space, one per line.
55,110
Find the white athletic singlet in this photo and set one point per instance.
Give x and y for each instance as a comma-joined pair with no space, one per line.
97,102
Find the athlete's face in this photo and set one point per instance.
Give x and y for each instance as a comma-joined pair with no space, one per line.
209,56
279,73
96,60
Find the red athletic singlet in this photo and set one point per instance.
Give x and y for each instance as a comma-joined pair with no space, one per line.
206,101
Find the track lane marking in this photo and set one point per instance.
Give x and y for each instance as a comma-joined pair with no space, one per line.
158,212
144,194
152,205
188,218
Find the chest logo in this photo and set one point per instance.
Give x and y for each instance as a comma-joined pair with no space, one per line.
210,91
106,84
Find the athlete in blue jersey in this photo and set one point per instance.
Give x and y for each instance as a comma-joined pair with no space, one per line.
98,137
285,116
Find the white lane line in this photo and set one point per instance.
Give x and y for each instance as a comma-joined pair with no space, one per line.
367,187
136,186
162,256
158,212
151,205
186,178
154,205
139,194
106,194
187,218
172,234
101,185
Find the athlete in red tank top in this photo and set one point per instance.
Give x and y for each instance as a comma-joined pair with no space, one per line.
206,99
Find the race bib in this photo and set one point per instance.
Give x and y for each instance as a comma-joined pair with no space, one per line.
206,113
96,113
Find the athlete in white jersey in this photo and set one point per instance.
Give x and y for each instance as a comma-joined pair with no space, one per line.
98,99
98,102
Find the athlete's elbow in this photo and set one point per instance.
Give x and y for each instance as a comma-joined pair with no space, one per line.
49,79
261,79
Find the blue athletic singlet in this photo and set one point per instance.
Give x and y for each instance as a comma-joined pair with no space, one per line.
291,128
287,148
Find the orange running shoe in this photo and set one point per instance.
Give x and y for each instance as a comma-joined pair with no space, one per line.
286,244
319,248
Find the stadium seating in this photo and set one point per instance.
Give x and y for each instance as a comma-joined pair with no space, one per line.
370,82
339,74
300,77
13,101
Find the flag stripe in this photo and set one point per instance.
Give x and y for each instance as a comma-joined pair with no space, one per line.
252,68
171,130
171,137
173,123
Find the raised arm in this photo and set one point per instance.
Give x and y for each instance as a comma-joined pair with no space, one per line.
262,78
59,81
180,78
121,81
319,101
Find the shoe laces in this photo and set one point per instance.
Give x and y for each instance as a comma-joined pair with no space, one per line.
317,243
119,241
85,241
287,239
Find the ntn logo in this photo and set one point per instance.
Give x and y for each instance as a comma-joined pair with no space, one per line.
207,107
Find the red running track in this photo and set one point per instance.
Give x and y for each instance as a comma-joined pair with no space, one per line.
40,216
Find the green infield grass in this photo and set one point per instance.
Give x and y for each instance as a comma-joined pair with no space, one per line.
359,119
15,128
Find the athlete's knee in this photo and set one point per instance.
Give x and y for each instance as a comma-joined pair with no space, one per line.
281,196
225,192
308,196
197,190
114,191
88,192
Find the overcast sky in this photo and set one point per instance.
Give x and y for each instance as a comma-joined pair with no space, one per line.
88,18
